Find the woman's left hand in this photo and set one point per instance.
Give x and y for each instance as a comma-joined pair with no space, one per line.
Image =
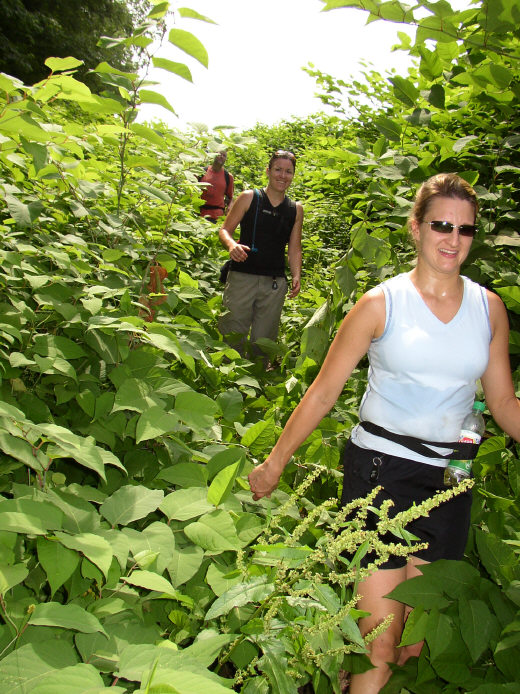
263,480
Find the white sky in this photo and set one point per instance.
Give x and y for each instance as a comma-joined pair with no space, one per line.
256,53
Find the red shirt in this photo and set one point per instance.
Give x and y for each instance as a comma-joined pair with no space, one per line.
215,193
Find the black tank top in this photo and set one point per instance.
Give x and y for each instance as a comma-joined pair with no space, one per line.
269,239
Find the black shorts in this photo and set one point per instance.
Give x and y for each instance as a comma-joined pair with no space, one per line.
405,482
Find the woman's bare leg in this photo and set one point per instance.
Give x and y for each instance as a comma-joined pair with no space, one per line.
384,648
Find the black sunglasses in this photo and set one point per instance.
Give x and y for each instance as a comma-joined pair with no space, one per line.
448,227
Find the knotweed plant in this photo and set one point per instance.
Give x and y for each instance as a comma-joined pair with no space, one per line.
296,604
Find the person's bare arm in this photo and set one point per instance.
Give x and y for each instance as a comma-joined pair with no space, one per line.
364,322
237,251
294,252
497,381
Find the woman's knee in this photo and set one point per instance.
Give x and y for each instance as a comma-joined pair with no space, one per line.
384,648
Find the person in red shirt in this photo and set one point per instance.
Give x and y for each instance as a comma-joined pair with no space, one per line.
218,195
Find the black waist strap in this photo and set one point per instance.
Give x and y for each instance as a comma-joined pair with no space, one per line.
211,207
461,450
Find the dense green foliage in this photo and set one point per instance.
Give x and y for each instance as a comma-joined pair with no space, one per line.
132,557
32,31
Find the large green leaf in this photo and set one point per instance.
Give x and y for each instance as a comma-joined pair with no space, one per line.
222,484
61,64
190,44
83,450
130,503
389,128
438,628
154,422
56,346
259,437
185,475
75,679
147,96
66,616
176,68
453,578
136,395
511,297
23,451
478,626
274,664
230,403
11,576
25,667
498,558
222,578
185,504
214,532
196,410
152,581
223,459
405,90
50,516
16,522
419,591
23,214
156,539
185,563
95,548
185,683
58,562
256,590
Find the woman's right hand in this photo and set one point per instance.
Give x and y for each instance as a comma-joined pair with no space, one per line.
263,480
239,253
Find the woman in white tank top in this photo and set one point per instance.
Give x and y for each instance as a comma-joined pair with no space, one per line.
421,384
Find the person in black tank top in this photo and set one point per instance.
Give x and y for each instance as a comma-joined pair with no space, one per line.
256,284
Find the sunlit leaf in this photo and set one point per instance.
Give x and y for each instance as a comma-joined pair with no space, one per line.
176,68
190,44
130,503
65,616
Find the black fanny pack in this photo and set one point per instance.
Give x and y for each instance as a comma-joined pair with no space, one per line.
224,271
461,450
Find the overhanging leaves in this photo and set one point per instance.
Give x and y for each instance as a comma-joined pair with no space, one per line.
190,44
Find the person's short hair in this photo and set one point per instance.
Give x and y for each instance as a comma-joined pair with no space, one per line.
443,185
282,154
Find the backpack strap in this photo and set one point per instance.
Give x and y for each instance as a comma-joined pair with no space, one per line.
292,211
461,450
256,195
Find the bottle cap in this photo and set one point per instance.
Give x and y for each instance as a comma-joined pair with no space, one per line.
479,406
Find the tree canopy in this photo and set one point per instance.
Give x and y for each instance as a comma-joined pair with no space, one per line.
31,31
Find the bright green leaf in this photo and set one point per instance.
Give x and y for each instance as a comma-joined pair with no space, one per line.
190,44
66,616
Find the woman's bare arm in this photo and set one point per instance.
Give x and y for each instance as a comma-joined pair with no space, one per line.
497,381
364,322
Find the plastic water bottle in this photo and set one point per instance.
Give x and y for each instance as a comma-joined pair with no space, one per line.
473,428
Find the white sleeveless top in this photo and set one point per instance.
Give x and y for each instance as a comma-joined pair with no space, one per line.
423,372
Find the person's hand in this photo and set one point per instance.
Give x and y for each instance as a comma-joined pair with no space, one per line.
239,253
263,480
295,287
